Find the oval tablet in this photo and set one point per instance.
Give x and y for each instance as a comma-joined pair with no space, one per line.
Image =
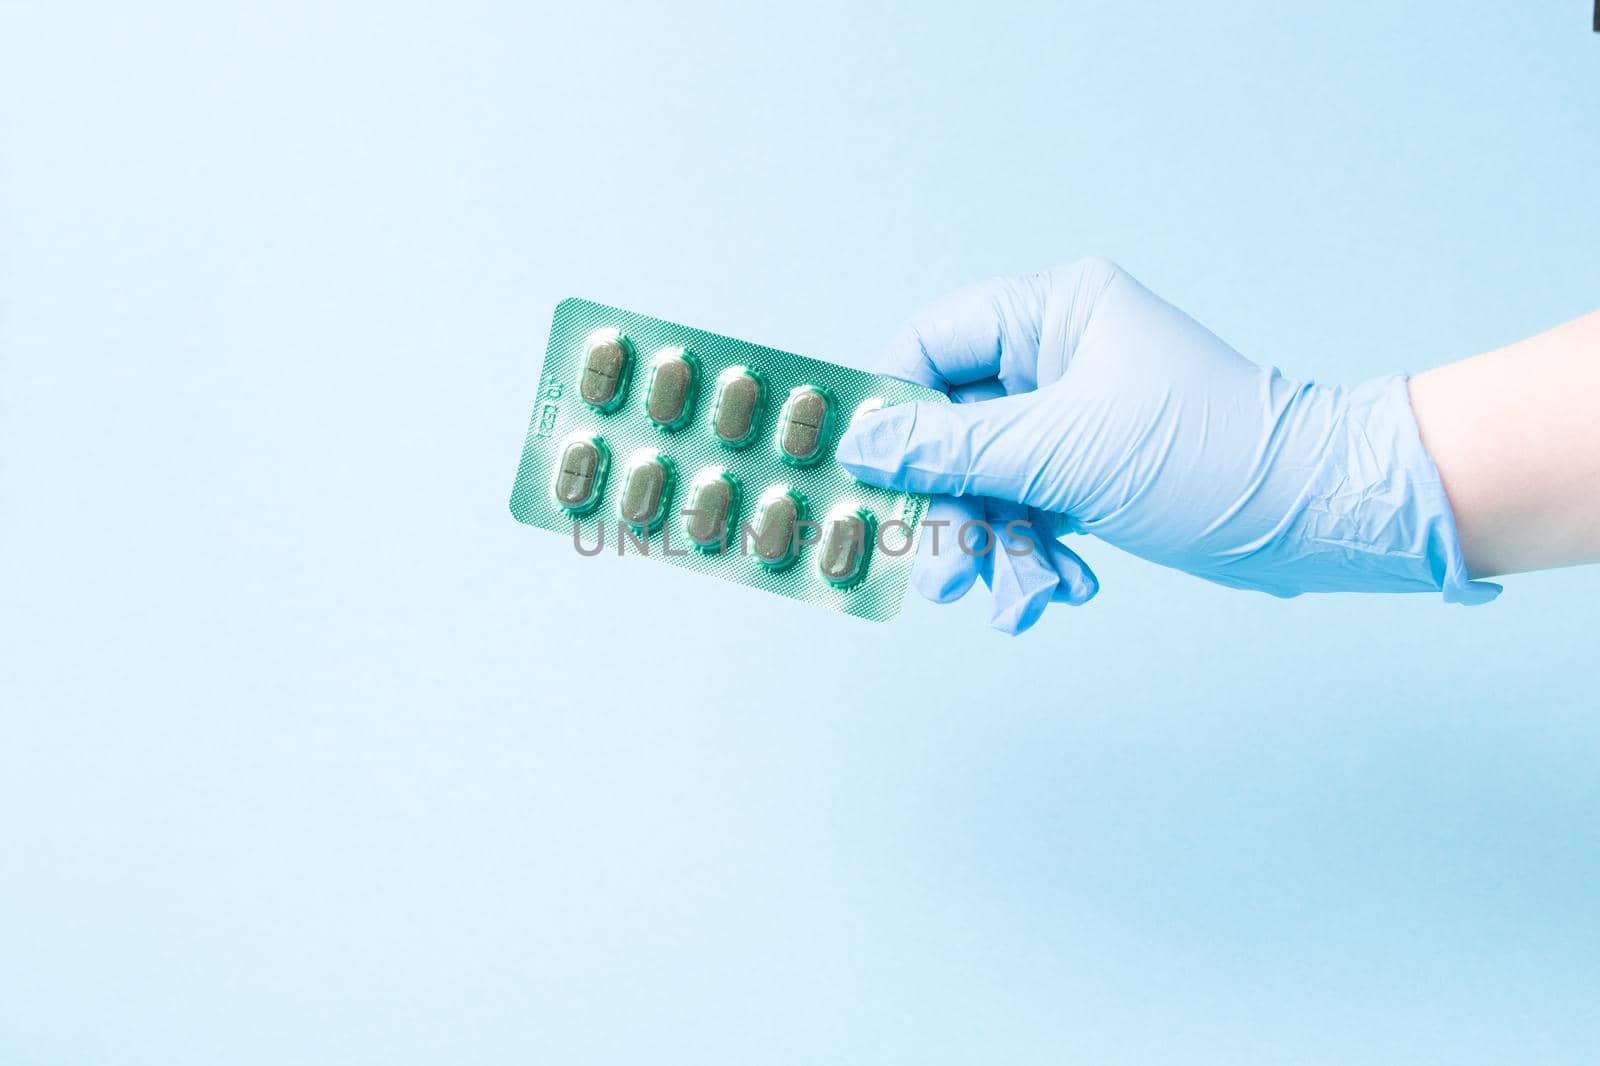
709,512
670,401
777,529
603,381
645,488
733,420
580,474
804,425
846,543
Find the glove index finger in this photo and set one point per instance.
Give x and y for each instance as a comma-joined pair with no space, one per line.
986,330
987,448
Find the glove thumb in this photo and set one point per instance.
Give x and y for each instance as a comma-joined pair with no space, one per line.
997,448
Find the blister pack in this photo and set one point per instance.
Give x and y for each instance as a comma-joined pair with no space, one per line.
652,438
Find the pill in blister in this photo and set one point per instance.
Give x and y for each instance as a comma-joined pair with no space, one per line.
777,527
711,509
738,407
603,383
804,425
670,400
846,546
646,487
581,473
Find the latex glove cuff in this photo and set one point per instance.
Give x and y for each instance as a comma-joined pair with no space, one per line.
1375,516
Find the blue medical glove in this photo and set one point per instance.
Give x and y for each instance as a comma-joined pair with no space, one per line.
1086,404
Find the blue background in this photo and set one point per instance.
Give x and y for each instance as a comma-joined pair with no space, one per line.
311,753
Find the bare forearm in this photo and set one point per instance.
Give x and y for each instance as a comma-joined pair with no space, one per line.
1515,434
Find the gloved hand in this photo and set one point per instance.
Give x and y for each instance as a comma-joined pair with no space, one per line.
1086,404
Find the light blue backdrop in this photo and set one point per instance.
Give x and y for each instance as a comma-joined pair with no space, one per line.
310,753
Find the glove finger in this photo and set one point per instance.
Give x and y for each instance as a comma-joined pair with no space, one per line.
987,389
1021,329
1018,569
1079,584
971,334
996,448
943,572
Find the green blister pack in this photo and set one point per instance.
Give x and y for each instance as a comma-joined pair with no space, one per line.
652,438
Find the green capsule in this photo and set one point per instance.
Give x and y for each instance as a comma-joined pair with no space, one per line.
846,546
669,403
581,474
646,488
712,509
737,413
603,380
777,528
803,428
